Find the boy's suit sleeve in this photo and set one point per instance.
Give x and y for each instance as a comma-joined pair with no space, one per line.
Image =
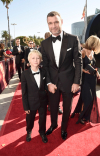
24,92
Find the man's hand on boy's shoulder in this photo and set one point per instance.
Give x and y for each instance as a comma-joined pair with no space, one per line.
27,112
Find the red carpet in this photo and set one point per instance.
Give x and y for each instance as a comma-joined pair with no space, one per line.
83,140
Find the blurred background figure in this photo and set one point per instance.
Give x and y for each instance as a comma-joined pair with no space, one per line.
47,34
87,105
34,46
38,47
8,51
19,52
2,52
27,51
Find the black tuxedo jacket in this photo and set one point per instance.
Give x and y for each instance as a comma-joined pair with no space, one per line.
32,96
27,51
18,56
70,61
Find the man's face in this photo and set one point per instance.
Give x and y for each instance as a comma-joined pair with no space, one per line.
34,60
55,24
31,44
17,42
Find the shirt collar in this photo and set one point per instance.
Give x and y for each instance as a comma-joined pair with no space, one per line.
34,71
61,34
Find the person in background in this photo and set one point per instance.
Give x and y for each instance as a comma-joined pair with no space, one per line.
3,53
38,47
8,51
19,52
34,46
87,106
47,34
27,51
33,82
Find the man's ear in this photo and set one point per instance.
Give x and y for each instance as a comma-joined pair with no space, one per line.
61,21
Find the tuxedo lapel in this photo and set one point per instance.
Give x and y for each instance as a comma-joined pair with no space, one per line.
63,48
32,77
41,78
51,52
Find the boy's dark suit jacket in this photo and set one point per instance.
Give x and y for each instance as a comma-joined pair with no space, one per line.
70,54
33,96
18,56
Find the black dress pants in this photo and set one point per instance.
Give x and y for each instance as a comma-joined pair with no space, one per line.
54,104
19,67
42,119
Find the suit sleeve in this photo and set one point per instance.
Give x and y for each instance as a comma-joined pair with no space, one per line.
24,92
26,56
23,53
15,51
77,61
45,63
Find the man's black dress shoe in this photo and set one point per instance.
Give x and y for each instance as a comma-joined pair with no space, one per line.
60,111
44,138
28,137
81,121
49,131
64,135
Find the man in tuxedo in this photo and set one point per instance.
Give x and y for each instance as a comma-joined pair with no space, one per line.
62,61
28,50
19,52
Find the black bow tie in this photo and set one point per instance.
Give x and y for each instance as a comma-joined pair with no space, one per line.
31,48
56,38
35,73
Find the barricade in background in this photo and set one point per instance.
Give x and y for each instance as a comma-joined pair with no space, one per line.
7,70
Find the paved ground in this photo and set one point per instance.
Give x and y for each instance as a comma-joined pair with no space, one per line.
7,95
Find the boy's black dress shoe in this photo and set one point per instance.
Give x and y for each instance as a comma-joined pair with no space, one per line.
49,131
64,135
44,138
28,137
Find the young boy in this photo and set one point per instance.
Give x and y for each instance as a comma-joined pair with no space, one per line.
33,82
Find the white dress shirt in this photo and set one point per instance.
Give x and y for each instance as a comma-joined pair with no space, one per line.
57,48
19,47
37,77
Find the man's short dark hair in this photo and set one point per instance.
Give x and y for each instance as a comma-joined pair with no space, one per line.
17,38
53,13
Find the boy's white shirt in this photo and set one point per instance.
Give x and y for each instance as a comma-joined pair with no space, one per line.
37,77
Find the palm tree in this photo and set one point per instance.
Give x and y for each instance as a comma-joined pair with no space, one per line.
5,35
7,2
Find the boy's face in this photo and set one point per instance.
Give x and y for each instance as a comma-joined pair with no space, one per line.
34,60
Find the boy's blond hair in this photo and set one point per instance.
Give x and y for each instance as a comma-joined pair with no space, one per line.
36,52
